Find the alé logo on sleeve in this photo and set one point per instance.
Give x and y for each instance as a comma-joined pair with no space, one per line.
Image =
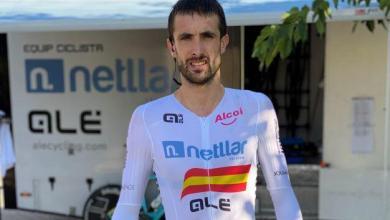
177,149
228,118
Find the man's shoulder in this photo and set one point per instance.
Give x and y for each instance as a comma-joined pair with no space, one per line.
248,94
156,105
160,101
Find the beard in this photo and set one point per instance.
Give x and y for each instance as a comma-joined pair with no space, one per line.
193,78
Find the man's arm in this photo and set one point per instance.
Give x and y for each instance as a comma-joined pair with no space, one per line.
273,164
137,169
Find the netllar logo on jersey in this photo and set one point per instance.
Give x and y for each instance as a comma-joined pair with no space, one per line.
222,179
177,149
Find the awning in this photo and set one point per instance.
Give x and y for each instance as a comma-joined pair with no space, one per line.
59,15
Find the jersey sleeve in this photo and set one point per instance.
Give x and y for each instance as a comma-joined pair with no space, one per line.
273,163
138,167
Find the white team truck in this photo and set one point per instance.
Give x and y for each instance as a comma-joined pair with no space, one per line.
72,97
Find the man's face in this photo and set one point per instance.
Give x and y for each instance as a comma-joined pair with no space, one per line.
197,47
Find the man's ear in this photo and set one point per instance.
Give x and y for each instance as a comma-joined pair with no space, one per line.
171,47
224,43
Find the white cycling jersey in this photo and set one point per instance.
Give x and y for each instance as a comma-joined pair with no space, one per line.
206,167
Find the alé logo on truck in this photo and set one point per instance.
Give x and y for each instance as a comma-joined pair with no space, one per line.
52,76
177,149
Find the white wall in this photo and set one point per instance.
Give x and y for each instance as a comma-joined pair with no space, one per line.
355,66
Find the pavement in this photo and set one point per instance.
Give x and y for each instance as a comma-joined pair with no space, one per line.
17,214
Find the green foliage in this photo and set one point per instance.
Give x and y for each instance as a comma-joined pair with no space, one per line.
281,39
384,5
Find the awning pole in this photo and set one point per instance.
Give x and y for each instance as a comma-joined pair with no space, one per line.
386,136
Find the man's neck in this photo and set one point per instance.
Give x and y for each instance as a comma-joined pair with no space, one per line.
201,100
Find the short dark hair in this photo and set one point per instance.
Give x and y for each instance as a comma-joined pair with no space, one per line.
201,7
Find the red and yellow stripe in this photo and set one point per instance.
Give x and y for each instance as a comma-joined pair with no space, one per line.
221,179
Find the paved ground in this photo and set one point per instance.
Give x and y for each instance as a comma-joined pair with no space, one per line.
15,214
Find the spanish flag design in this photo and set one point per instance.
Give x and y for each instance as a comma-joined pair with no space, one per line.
221,179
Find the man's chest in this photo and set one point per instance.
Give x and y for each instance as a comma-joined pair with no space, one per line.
183,142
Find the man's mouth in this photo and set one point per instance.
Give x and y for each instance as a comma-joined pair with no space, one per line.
198,62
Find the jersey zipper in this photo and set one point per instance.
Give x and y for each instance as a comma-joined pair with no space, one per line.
205,124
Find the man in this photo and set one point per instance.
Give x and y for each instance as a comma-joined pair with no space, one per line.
204,141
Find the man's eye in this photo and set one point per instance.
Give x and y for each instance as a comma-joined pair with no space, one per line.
208,36
185,38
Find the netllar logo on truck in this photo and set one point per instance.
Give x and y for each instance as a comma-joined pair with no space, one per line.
45,76
53,76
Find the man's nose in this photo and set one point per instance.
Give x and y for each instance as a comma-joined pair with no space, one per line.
197,47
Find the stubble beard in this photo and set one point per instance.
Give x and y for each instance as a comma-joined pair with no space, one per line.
191,77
